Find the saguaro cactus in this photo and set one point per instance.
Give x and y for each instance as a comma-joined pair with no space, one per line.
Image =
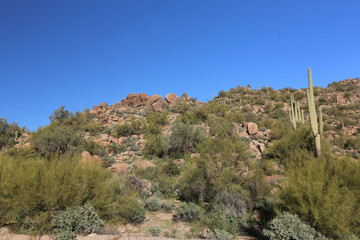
316,128
296,114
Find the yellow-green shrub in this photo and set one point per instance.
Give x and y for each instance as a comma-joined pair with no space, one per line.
324,192
37,187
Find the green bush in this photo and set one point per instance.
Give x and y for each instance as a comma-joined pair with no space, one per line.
158,118
153,204
57,140
155,231
135,126
38,186
80,220
288,226
187,212
222,235
155,145
168,207
8,132
60,115
184,137
324,192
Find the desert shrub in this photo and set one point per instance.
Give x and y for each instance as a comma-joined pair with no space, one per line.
218,109
38,186
155,145
222,235
221,219
234,116
324,192
184,137
201,112
94,148
125,129
278,114
60,115
168,207
289,226
153,204
155,231
158,118
208,176
80,220
57,140
291,143
279,128
222,93
8,132
181,107
189,118
221,128
187,212
92,128
153,128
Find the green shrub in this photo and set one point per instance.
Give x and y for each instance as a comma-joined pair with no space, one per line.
184,137
155,231
181,107
135,126
292,142
158,118
38,186
153,204
80,220
8,133
187,212
60,115
288,226
57,140
168,207
222,235
155,145
324,192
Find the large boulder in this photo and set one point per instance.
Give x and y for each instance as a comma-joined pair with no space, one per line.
172,99
143,97
252,128
153,99
145,164
86,157
121,168
133,99
157,106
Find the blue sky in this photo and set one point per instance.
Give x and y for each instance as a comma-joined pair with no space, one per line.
81,53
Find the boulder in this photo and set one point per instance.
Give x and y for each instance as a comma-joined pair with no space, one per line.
96,108
252,128
158,106
172,99
143,97
103,105
133,98
145,164
86,157
152,99
121,168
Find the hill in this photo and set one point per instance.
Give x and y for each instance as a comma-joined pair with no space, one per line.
236,160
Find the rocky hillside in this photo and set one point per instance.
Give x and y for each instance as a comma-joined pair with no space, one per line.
198,168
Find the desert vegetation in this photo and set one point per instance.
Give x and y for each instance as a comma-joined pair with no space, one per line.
249,162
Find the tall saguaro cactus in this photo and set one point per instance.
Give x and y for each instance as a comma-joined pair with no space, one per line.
316,128
296,114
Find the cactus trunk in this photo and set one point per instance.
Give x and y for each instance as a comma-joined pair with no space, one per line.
315,127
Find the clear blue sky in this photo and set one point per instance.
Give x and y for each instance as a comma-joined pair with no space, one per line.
81,53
